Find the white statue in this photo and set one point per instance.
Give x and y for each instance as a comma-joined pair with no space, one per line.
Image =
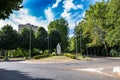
58,49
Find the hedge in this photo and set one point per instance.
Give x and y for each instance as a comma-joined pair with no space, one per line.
41,56
1,57
69,55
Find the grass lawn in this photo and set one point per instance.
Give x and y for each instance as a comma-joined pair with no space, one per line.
58,59
54,59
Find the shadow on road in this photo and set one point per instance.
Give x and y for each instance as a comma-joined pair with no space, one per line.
16,75
12,60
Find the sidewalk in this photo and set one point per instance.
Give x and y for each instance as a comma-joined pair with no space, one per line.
114,58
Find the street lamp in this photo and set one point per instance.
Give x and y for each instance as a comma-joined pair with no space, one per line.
81,42
47,38
76,41
30,44
48,44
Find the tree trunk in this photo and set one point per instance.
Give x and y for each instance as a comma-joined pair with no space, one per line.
105,48
6,56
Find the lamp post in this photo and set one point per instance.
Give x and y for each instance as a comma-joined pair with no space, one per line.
76,41
30,44
48,44
47,38
81,42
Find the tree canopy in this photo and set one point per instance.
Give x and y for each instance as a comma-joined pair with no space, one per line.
42,37
55,38
25,38
9,38
8,6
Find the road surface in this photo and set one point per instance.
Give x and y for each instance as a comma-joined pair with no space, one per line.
101,69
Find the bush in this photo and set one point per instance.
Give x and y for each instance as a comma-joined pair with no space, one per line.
1,57
53,54
69,55
36,52
114,53
41,56
16,53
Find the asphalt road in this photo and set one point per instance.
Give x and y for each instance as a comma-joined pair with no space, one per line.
15,70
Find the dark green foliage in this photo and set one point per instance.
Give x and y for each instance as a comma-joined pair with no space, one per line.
1,57
36,52
7,7
9,38
114,53
41,39
25,38
41,56
54,39
69,55
17,53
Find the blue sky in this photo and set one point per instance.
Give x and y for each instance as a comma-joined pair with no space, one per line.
42,12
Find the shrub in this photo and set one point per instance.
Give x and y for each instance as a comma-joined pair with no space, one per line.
114,53
41,56
36,52
1,57
16,53
69,55
53,54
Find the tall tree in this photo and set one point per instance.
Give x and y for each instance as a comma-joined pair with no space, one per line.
25,39
41,36
7,7
96,21
9,39
61,25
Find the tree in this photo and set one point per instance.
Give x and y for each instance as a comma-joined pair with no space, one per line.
7,7
41,36
25,39
9,39
96,24
54,37
60,25
113,22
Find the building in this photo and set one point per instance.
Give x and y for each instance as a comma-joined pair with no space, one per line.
28,25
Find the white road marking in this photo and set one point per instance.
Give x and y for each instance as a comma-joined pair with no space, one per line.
116,70
92,69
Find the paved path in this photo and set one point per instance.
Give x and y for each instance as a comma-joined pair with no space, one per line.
15,70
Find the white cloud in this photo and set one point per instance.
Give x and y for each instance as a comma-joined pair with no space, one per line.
66,15
49,15
68,5
56,4
22,17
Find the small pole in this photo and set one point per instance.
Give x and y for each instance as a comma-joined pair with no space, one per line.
76,41
30,45
48,44
80,42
